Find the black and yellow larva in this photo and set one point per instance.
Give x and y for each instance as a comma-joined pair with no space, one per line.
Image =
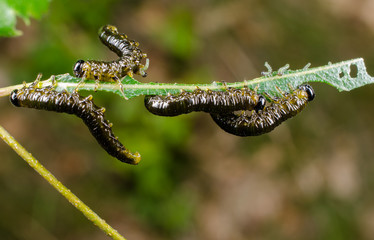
129,62
264,121
205,101
119,43
111,71
84,108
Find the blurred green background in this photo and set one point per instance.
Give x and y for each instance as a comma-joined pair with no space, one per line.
311,178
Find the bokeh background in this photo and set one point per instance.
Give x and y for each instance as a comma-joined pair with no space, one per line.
311,178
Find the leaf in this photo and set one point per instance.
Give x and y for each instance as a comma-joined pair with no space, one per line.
10,9
7,20
344,76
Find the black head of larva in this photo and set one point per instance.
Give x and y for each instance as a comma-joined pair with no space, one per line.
309,90
260,104
78,68
14,98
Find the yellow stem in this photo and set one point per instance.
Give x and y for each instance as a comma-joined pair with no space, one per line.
74,200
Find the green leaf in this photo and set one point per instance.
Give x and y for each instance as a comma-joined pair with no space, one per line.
7,20
344,76
10,9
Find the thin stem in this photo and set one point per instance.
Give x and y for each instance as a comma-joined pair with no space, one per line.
7,90
74,200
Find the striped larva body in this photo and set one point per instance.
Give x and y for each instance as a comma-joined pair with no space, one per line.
205,101
264,121
119,43
129,62
84,108
105,71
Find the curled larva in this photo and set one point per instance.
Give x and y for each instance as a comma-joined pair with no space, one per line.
205,101
119,43
129,63
84,108
257,123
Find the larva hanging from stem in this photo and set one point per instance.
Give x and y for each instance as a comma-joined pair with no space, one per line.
257,123
84,108
205,101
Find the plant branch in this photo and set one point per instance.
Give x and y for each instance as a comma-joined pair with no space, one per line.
344,76
73,199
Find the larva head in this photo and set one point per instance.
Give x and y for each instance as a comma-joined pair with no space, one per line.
78,68
309,91
14,98
260,104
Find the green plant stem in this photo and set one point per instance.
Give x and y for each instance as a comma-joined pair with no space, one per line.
344,76
74,200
